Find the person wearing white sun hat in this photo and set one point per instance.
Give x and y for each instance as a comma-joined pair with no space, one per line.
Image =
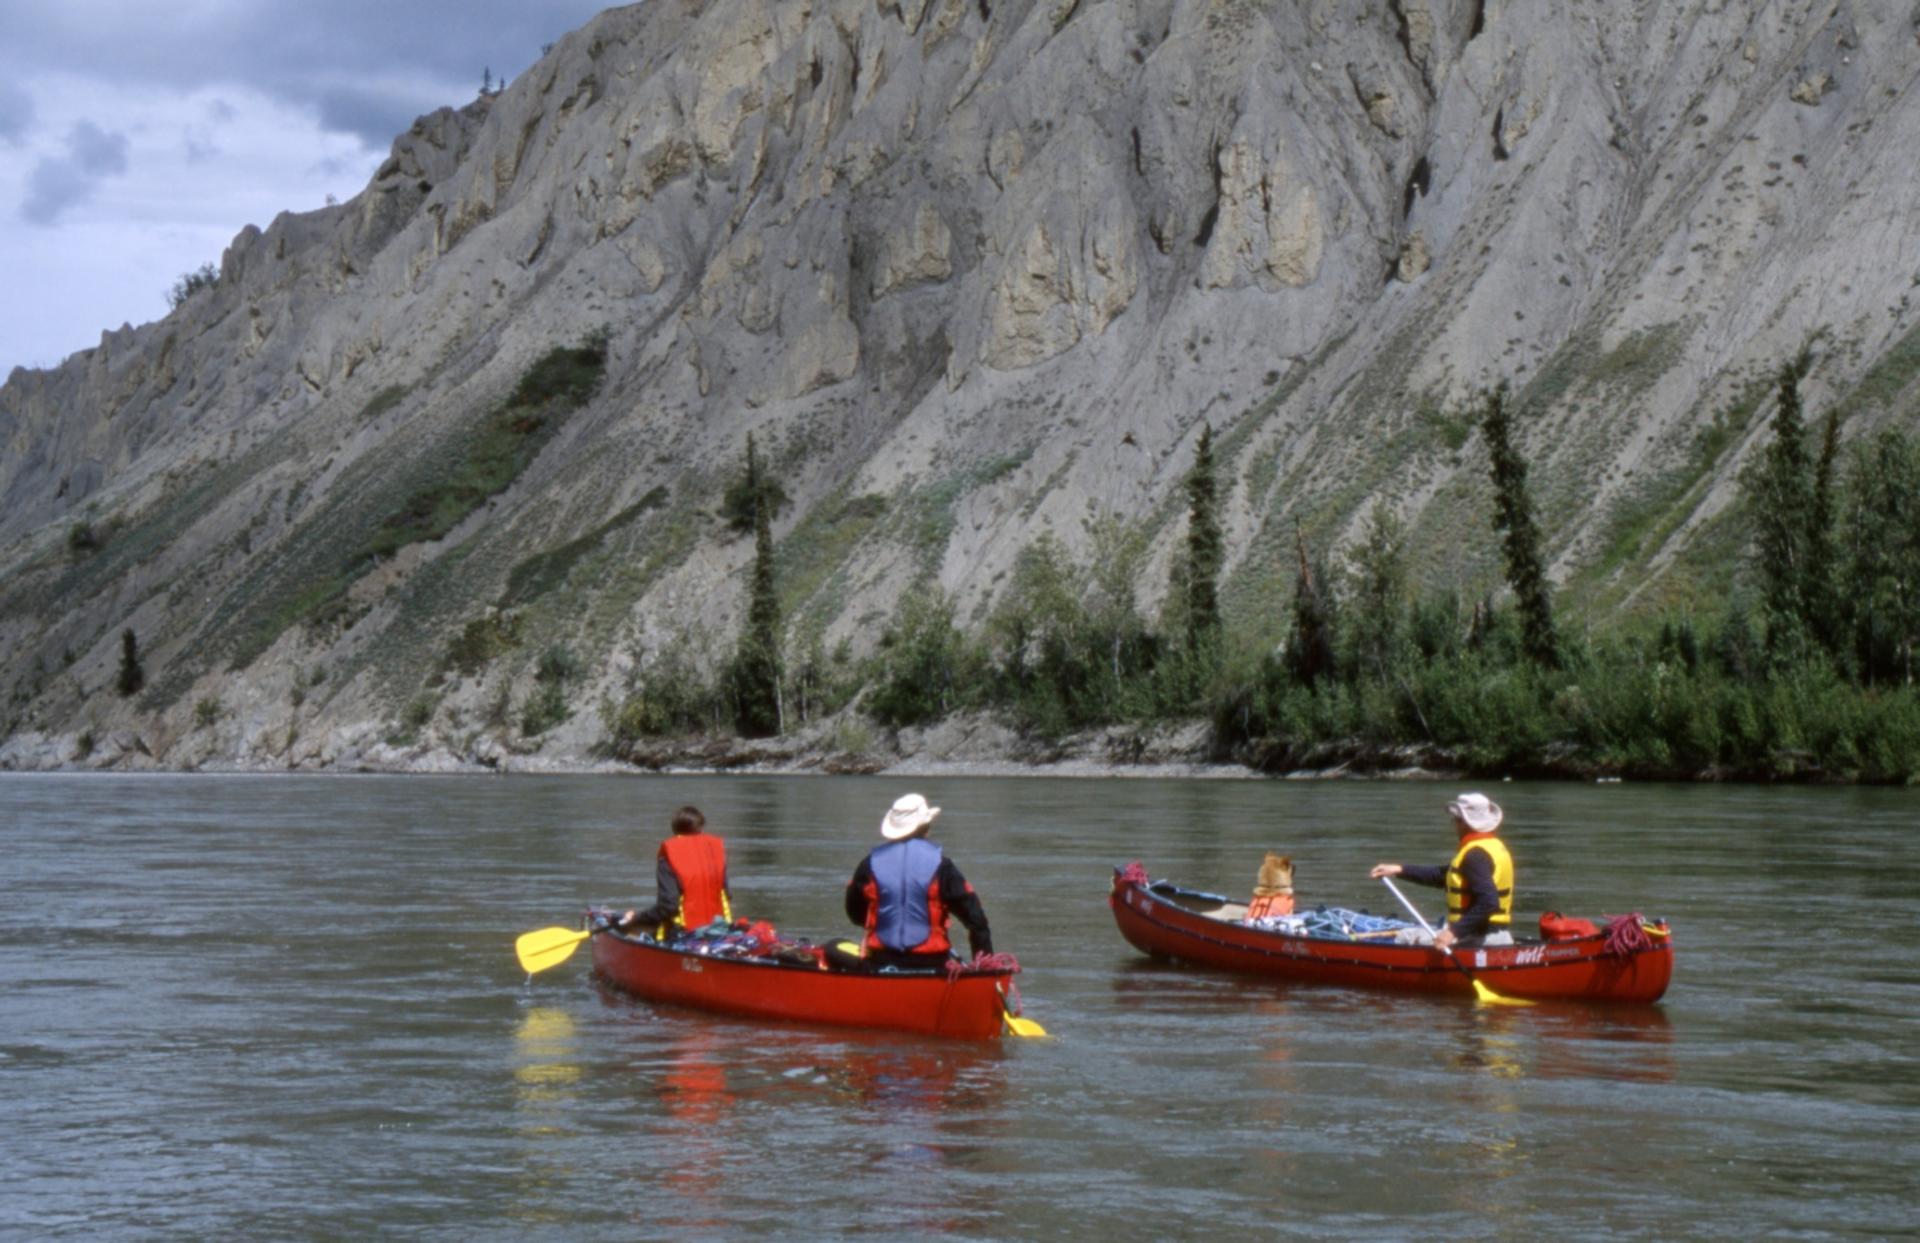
1478,879
903,892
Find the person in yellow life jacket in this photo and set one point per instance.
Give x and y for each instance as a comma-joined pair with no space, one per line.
903,892
690,881
1478,879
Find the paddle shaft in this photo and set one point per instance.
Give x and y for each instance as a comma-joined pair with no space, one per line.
1415,912
1481,988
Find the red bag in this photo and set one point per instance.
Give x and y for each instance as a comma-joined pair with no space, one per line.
1557,927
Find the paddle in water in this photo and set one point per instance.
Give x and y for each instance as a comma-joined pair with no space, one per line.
1480,988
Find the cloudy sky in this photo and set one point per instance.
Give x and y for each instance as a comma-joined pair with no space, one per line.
137,138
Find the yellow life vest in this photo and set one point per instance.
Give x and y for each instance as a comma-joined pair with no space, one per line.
1458,899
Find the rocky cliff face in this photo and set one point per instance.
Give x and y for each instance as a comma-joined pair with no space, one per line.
971,270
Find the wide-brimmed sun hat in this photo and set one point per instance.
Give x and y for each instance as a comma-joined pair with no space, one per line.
909,814
1476,811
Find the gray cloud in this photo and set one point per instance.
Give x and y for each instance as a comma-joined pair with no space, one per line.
97,152
367,66
16,113
60,182
375,117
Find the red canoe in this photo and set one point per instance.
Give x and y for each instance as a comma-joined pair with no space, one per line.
1165,921
968,1006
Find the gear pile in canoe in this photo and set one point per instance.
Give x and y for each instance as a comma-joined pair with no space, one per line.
1629,960
751,971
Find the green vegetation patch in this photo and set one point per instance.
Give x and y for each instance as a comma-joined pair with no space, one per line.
422,497
813,553
481,640
502,446
1638,526
1630,367
928,511
1888,379
382,401
547,571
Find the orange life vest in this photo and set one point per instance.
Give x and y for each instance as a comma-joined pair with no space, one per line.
1272,904
699,862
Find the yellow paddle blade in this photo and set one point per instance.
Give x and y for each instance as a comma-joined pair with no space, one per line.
1024,1027
1488,995
547,947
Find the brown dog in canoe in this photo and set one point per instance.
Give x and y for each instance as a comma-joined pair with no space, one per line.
1273,888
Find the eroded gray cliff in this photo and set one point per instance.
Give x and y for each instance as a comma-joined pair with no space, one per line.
971,270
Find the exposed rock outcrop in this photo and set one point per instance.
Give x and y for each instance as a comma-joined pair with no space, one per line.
970,272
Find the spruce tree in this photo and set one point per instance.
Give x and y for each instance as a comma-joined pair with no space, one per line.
1781,490
1513,517
1206,550
1882,579
1310,650
756,662
753,490
132,677
1819,591
1377,570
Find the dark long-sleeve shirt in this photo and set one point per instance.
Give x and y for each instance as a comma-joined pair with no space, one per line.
955,894
1483,895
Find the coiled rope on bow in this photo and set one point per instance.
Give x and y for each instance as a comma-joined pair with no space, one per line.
983,963
1627,934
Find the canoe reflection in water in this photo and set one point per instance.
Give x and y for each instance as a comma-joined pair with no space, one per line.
1547,1040
1569,1040
698,1107
713,1089
930,1108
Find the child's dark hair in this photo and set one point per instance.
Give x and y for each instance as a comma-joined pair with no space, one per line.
688,820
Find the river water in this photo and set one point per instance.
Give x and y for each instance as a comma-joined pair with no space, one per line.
263,1007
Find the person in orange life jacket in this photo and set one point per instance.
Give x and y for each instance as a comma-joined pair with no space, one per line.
690,880
1478,879
903,892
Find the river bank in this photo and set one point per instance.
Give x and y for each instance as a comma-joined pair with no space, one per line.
971,744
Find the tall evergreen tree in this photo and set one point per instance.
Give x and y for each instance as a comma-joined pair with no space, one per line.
1310,650
1882,576
750,492
1206,549
756,662
1513,517
1782,491
1377,570
132,677
1820,590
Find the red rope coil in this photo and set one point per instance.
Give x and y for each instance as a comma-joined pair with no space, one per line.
1625,936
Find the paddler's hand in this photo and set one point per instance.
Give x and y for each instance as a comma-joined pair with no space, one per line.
622,922
1443,939
1384,869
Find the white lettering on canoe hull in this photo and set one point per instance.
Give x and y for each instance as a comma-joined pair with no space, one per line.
690,964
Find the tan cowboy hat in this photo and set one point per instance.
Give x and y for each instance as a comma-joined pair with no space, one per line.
909,814
1477,812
